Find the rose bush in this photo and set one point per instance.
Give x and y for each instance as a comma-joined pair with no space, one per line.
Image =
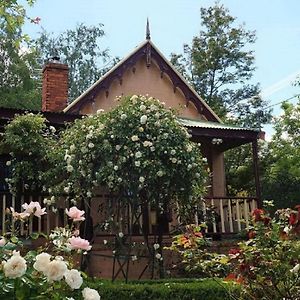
46,273
137,150
267,265
196,259
29,141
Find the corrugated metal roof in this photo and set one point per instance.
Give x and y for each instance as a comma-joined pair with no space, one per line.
212,125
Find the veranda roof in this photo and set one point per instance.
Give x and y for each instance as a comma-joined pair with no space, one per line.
228,136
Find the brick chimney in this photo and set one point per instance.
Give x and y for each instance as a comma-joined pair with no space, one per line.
55,86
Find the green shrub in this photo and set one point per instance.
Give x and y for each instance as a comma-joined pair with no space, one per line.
178,289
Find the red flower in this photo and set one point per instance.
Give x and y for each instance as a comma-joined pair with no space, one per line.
266,220
258,214
234,251
230,277
199,234
244,267
251,234
293,219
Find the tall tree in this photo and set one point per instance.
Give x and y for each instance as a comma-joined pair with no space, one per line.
282,176
219,65
80,49
18,83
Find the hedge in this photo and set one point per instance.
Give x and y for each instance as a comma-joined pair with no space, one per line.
186,289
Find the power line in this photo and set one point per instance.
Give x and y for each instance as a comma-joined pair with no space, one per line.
288,99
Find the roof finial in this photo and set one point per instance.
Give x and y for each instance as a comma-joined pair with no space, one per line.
147,30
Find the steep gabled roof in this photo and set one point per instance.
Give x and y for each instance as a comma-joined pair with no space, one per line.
148,50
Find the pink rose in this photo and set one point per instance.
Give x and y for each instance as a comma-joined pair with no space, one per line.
79,243
75,214
34,208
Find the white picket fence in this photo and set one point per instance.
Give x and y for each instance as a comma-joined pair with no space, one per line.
231,214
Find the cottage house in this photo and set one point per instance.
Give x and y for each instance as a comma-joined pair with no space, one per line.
146,71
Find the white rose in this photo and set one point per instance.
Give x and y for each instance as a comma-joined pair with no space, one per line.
116,168
42,261
160,173
72,147
173,152
56,270
143,119
134,138
137,163
73,279
134,258
156,246
67,189
189,148
138,154
158,255
141,179
141,129
91,145
123,116
70,168
99,111
134,97
143,107
15,266
121,234
90,294
118,147
8,163
147,143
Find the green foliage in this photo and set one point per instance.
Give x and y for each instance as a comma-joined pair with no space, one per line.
80,49
197,258
282,176
18,84
28,140
267,265
239,171
182,289
219,65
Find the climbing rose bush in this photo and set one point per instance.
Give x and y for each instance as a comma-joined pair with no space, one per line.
49,272
267,265
138,149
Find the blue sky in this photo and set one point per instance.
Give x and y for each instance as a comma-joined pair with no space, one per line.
175,22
